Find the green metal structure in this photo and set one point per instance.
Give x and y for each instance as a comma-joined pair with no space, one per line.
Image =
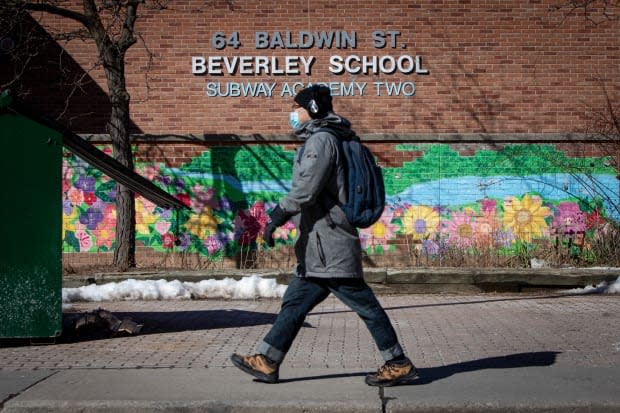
31,215
30,240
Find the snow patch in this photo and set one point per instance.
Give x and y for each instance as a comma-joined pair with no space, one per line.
602,288
251,287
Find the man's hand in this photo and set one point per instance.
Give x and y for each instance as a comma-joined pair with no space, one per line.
268,234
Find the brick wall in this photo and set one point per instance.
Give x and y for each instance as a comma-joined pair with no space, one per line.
494,66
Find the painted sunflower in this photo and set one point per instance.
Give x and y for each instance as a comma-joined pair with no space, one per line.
420,222
526,217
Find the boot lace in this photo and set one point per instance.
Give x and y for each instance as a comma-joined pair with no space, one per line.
388,370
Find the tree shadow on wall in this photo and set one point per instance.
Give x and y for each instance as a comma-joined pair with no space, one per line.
38,69
228,183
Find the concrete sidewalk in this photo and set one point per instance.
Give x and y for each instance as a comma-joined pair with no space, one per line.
484,352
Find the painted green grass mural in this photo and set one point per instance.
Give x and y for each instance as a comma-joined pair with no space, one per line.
505,200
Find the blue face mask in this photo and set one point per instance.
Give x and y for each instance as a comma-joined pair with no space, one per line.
293,119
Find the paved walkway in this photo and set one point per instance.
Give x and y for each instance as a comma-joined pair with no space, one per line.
477,352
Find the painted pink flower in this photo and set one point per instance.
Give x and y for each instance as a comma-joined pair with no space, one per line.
76,196
285,231
569,219
213,244
204,198
487,227
104,237
109,216
149,206
162,227
151,172
461,230
67,171
488,206
85,240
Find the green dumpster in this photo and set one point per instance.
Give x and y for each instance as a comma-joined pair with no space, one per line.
31,208
31,213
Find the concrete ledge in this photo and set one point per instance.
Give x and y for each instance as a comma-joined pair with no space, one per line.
400,280
496,279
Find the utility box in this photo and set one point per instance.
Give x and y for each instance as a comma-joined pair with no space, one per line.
31,222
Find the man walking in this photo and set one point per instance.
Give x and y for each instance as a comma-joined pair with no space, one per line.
328,249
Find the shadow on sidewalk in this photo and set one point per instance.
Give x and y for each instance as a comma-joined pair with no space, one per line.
324,377
162,322
157,322
511,361
448,304
153,322
431,374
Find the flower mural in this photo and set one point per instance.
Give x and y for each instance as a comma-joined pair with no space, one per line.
167,241
104,238
431,247
213,244
145,218
595,219
420,222
375,238
69,217
526,217
285,232
84,239
461,230
569,219
489,228
203,224
203,197
229,209
91,217
75,196
250,224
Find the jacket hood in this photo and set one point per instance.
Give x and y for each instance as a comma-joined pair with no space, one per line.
340,126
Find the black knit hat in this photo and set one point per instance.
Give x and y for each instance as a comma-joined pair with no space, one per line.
316,99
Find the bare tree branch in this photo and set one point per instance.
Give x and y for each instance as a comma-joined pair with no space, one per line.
594,11
52,9
127,38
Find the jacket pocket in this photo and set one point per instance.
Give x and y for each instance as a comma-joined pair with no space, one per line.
319,249
340,219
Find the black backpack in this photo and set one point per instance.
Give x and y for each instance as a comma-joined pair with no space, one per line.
364,180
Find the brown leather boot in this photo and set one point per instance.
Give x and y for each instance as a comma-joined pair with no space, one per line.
392,374
258,366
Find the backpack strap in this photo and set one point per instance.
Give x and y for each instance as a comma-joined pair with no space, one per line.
326,198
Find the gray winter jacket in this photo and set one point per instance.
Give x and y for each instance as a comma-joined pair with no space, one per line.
327,245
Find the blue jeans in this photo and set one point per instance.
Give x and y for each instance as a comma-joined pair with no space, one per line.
303,294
